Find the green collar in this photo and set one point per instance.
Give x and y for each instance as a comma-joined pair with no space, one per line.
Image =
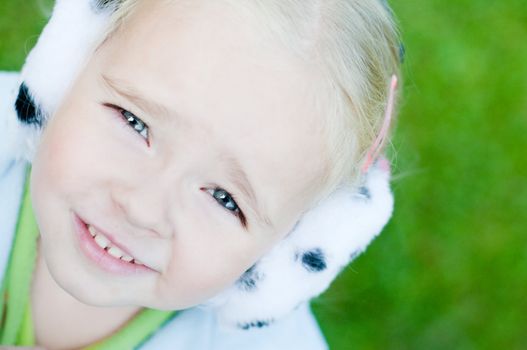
16,325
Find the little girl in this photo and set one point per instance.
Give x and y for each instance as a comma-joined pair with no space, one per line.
177,144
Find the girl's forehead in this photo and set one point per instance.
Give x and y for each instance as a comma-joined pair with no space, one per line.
212,30
233,97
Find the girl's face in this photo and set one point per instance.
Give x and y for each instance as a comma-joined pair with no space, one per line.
206,111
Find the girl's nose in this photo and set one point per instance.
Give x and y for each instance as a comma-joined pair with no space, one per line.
143,206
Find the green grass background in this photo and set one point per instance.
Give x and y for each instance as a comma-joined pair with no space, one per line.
450,269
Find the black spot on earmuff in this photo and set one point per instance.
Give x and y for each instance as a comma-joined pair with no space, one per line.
354,254
248,281
314,260
365,192
256,323
26,107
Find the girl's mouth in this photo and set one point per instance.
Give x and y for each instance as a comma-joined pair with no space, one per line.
100,249
106,244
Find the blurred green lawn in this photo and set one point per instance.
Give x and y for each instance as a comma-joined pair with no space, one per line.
450,269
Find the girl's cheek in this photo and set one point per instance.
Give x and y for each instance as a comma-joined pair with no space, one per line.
57,152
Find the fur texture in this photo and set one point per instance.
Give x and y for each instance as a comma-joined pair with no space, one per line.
53,64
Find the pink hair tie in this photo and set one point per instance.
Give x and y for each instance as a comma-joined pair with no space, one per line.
379,141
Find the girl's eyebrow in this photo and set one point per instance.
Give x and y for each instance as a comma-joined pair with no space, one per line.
129,92
236,173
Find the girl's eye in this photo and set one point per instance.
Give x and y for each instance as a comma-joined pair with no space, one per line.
226,200
130,120
136,123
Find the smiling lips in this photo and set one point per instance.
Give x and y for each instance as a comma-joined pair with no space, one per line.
105,243
103,251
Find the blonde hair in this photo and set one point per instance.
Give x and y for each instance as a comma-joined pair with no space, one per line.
356,45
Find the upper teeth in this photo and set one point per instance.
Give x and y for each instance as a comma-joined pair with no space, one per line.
103,242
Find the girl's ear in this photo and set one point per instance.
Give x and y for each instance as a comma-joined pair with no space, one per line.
377,146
